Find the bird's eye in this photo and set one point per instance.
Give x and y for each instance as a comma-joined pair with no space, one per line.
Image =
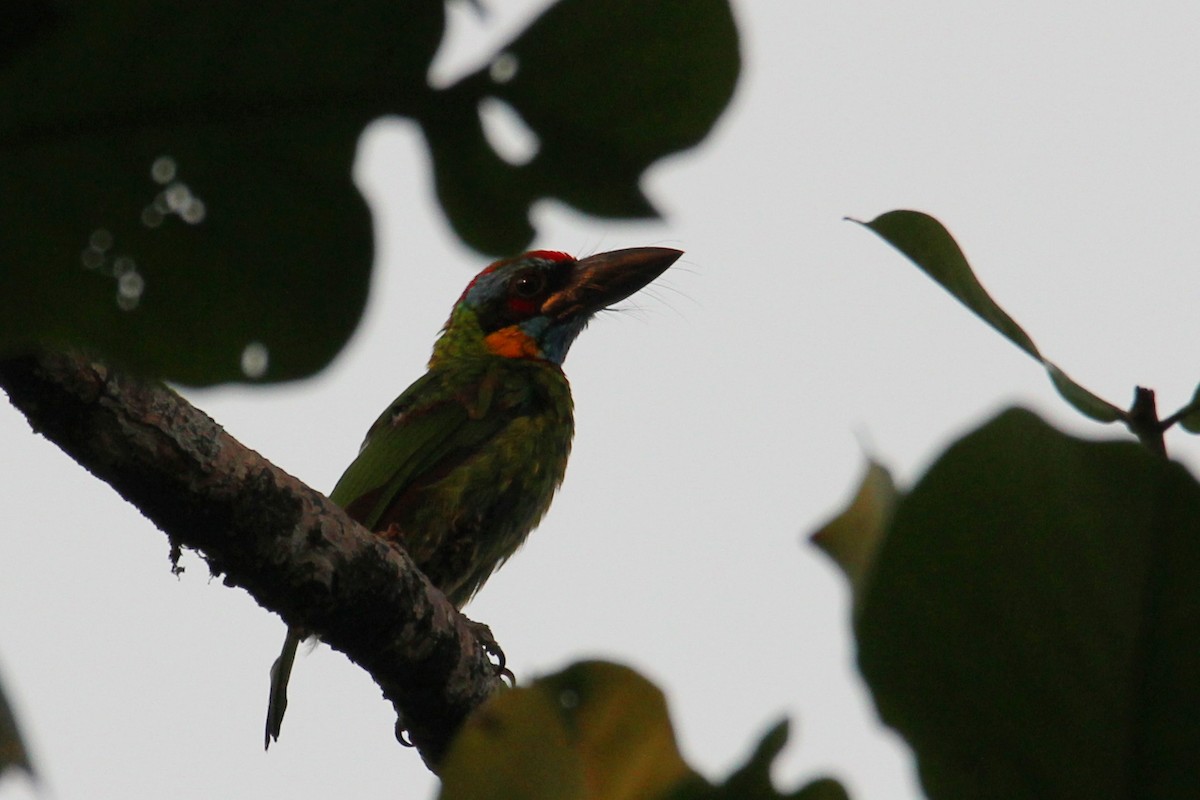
529,284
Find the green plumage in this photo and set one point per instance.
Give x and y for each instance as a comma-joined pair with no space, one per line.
464,464
472,454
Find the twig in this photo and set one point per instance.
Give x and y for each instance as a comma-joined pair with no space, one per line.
1142,420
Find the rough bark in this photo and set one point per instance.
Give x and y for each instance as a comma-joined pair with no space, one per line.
261,529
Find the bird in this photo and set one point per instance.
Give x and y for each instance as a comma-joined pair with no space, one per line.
463,465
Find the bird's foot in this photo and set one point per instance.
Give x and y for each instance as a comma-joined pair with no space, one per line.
483,635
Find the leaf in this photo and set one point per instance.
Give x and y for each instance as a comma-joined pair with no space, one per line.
753,781
853,537
1032,618
1190,420
1083,400
930,246
595,730
607,88
618,723
203,152
515,746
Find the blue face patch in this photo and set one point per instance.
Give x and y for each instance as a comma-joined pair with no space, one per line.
487,287
554,339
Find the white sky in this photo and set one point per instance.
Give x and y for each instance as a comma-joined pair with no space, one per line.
717,422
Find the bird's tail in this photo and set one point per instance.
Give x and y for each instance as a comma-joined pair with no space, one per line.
281,672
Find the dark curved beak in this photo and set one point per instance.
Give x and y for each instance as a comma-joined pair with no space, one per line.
601,280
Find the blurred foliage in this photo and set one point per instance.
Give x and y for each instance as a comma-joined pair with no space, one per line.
595,731
1030,618
176,178
13,754
853,537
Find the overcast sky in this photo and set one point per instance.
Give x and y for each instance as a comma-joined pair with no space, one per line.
719,420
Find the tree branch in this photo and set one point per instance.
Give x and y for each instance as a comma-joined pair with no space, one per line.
290,547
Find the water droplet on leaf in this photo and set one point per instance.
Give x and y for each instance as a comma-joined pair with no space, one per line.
503,68
163,169
122,265
193,213
178,195
255,360
131,284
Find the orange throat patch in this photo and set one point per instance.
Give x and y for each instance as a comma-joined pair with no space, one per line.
512,342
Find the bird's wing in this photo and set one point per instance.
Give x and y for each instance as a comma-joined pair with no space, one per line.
416,435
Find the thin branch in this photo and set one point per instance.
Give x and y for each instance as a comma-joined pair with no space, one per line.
291,548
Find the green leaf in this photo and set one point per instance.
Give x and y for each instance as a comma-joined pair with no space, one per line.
853,537
1083,400
607,87
596,730
928,244
1190,419
246,119
1032,619
753,781
515,746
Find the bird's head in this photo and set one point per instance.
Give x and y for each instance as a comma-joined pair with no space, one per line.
533,306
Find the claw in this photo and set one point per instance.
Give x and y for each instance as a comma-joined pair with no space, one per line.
501,663
402,733
483,635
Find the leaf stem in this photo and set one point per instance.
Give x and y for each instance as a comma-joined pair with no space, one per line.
1189,409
